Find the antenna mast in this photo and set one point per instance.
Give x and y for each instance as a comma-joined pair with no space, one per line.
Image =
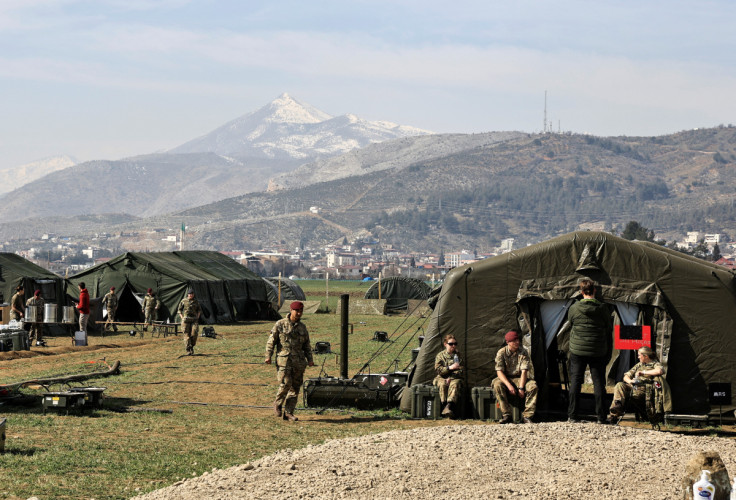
544,125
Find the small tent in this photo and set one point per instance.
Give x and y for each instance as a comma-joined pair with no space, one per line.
689,304
225,292
16,271
397,290
283,288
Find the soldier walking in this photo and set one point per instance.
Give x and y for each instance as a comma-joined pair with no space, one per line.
16,304
111,303
190,311
150,308
290,340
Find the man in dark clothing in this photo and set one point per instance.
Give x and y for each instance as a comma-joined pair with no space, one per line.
590,345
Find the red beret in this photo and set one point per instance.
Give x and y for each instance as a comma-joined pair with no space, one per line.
296,305
37,292
112,288
511,336
150,290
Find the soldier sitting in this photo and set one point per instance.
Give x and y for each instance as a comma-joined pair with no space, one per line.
449,369
645,384
513,370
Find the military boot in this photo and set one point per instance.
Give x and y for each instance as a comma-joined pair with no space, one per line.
289,417
277,409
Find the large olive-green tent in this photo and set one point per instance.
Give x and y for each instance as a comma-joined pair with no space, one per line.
280,289
16,271
225,290
689,304
397,290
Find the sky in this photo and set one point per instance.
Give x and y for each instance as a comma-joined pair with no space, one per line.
107,79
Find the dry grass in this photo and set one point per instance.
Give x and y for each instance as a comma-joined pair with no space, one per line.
220,402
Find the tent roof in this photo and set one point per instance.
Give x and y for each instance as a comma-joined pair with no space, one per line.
24,267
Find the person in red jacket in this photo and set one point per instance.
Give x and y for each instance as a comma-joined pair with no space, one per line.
83,307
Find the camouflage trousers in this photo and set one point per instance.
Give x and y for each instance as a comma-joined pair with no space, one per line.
110,320
290,379
150,316
449,388
36,332
191,330
505,400
623,392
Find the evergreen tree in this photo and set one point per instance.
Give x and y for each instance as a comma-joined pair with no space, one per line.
716,253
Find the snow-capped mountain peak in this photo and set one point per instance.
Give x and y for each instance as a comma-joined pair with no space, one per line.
286,128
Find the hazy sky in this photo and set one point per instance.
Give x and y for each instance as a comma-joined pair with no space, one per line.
105,79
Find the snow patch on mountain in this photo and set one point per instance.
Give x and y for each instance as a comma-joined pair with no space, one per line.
289,129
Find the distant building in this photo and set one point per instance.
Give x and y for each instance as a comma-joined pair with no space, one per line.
507,245
692,237
456,259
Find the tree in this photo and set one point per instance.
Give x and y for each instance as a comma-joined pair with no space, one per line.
635,231
441,260
716,253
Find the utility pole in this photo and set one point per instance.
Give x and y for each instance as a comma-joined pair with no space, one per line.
544,124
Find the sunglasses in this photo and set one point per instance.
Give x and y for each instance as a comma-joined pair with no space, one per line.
452,343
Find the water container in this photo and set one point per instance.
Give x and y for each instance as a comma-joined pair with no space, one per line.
733,489
703,488
49,313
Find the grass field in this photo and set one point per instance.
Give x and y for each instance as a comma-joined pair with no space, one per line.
219,401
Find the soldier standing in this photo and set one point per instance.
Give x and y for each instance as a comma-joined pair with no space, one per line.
150,308
111,303
290,340
36,321
190,311
16,304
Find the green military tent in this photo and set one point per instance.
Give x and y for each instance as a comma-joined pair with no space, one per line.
397,290
282,289
16,271
689,304
225,290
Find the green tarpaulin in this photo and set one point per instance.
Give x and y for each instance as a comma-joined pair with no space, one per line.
16,271
283,288
689,304
226,290
397,290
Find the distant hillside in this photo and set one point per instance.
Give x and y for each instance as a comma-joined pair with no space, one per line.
237,158
484,189
16,177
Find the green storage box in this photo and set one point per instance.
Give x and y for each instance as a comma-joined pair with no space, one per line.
483,403
425,402
20,340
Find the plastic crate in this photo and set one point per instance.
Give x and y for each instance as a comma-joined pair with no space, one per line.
483,403
425,402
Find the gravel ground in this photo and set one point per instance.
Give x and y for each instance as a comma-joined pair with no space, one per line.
539,461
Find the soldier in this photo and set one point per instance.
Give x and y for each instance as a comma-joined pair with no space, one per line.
16,304
290,340
150,308
644,383
36,321
513,370
111,303
448,365
189,311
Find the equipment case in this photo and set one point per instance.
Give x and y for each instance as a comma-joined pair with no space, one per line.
336,392
425,402
484,403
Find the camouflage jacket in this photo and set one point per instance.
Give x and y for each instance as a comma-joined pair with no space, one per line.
110,300
39,303
442,363
290,342
151,302
513,363
189,310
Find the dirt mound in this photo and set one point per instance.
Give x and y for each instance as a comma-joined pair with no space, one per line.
539,461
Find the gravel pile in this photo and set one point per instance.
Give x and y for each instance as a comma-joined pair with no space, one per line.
539,461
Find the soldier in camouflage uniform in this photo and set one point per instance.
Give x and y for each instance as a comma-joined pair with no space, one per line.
150,308
190,311
645,383
514,379
37,321
16,304
448,365
111,303
290,340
